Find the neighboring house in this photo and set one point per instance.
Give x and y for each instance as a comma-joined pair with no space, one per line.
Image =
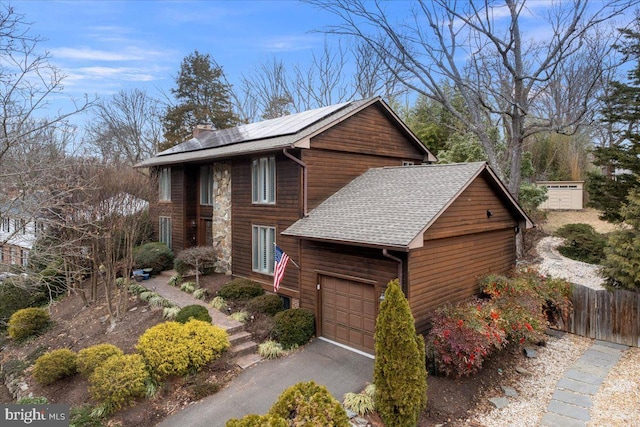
348,192
19,228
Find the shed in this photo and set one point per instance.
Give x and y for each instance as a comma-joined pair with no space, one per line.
563,195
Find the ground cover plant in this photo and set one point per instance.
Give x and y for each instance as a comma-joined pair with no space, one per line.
582,243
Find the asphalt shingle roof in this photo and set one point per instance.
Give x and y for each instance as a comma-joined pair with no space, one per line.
388,206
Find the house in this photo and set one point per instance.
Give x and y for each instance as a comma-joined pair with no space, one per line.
350,194
19,229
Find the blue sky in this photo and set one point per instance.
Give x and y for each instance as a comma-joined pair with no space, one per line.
103,46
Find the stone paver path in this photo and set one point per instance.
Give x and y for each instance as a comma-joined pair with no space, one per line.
572,400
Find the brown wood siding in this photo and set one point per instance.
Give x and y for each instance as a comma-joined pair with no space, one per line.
369,131
286,210
343,261
447,270
468,213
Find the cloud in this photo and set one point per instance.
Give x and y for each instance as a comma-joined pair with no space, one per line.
88,54
290,43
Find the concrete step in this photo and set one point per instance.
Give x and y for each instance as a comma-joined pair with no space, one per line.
248,360
244,348
239,337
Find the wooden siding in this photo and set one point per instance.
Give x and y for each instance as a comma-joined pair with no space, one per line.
447,270
347,262
369,131
468,213
245,214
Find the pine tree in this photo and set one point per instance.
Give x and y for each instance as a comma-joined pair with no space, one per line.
203,96
621,265
399,372
609,192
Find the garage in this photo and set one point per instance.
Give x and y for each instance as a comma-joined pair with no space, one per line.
348,312
563,195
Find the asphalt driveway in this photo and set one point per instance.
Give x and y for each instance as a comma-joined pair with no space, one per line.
257,388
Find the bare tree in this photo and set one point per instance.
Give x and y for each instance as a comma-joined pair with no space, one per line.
127,128
268,88
481,49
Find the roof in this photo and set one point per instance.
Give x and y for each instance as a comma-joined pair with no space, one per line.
392,206
293,130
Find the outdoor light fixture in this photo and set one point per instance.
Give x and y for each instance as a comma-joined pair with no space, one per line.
489,213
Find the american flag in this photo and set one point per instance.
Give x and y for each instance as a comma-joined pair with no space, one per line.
281,260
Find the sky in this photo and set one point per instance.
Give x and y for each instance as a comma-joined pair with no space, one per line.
103,46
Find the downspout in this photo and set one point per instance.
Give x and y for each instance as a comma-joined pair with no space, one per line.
400,268
304,179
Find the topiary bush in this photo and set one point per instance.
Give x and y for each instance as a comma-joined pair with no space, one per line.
119,381
195,311
310,404
268,304
293,327
55,365
240,289
207,342
582,243
154,255
91,357
27,322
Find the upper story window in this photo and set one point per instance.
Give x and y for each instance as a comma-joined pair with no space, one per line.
23,226
206,185
164,180
6,224
263,180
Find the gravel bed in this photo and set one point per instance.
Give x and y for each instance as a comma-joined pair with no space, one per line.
534,390
618,400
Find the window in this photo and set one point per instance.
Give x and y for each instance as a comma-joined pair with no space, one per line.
6,224
164,234
24,257
13,254
16,225
263,184
164,179
23,226
206,185
263,248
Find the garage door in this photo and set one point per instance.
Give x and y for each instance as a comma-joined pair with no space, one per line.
348,312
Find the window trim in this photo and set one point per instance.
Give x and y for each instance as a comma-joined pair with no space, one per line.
165,230
206,185
263,180
263,239
164,184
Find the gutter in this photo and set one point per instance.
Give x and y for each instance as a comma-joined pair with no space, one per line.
386,253
304,180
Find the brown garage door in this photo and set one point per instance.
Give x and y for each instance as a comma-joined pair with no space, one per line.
348,312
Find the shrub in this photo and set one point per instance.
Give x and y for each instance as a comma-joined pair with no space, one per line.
170,313
293,327
27,322
268,304
188,287
119,381
136,288
399,371
175,280
240,316
206,342
253,420
91,357
195,311
201,294
218,303
360,403
33,400
582,243
15,295
54,365
270,349
309,404
240,289
203,259
462,337
157,301
154,255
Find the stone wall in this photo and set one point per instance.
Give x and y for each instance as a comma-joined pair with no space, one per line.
221,226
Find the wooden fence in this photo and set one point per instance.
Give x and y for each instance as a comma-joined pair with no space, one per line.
609,316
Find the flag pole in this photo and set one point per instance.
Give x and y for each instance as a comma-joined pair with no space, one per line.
290,259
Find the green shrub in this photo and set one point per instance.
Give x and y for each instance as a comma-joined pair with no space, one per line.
85,416
240,316
175,280
33,400
55,365
240,289
582,243
206,342
360,403
27,322
269,304
154,255
181,267
170,313
218,303
253,420
13,297
399,371
91,357
293,327
310,404
188,287
200,294
158,301
270,349
119,381
195,311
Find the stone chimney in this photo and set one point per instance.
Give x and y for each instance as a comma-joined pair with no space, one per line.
202,128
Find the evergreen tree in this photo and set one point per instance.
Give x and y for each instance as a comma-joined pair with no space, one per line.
203,96
621,265
620,161
399,372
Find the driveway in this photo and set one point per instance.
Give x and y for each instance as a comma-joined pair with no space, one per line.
257,388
